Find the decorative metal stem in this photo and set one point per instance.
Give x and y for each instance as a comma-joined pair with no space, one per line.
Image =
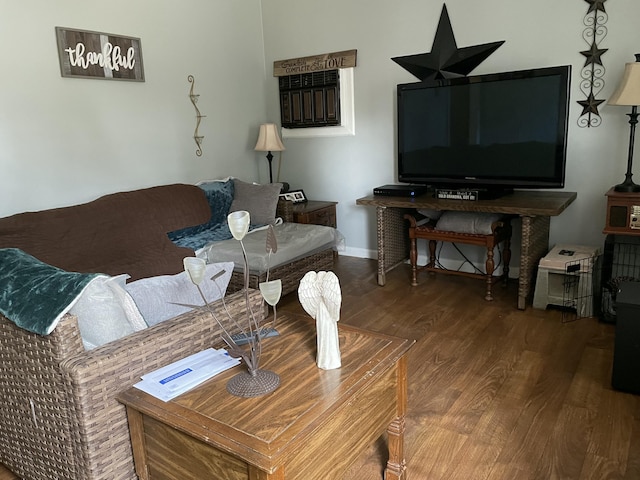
194,99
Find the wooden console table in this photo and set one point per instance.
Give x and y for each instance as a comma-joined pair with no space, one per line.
313,426
534,207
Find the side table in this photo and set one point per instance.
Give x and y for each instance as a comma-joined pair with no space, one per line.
316,212
313,426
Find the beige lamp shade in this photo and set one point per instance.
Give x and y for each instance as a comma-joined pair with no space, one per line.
268,139
628,92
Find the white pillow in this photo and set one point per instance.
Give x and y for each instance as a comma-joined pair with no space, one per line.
467,222
156,297
106,312
430,214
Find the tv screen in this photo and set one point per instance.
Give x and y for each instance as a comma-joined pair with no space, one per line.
498,131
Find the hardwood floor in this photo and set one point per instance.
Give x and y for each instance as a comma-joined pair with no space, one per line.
494,392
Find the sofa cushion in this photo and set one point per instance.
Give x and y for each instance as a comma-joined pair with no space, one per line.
106,312
35,295
295,241
158,298
260,201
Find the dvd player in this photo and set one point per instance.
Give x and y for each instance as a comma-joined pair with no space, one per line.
400,190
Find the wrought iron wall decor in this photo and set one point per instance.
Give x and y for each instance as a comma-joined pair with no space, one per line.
446,60
592,73
194,99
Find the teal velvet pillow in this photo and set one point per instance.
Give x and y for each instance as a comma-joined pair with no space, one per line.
219,195
35,295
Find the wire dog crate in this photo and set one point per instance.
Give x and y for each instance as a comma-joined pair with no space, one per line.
581,286
568,278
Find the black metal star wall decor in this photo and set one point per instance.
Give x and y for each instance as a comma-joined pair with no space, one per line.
592,73
595,5
590,105
446,60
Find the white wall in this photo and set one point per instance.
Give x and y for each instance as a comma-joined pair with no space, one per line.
63,141
536,34
67,140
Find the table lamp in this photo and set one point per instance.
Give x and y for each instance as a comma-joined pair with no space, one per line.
628,94
269,141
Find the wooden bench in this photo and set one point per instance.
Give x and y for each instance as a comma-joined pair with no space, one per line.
501,232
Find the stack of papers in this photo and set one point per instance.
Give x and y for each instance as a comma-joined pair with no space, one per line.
174,379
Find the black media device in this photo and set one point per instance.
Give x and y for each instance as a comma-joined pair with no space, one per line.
400,190
492,132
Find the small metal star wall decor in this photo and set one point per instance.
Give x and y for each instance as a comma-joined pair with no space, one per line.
446,60
592,73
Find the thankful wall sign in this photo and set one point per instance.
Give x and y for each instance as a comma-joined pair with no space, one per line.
86,54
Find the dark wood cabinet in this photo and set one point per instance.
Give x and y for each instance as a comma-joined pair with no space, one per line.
310,100
316,212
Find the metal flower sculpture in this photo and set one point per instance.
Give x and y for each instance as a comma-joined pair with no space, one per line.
255,381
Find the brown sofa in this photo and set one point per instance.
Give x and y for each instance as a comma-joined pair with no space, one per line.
123,232
59,417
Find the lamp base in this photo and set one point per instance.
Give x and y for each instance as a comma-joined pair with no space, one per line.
627,186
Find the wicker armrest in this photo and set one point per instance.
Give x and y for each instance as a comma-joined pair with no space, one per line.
284,210
97,377
90,426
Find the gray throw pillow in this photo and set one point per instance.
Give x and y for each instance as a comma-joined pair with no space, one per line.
260,201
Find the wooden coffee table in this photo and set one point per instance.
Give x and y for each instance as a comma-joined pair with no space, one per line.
312,427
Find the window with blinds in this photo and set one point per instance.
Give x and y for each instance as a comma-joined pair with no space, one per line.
310,99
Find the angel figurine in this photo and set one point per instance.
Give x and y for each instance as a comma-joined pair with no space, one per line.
320,296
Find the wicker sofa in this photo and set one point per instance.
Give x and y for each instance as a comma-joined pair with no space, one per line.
59,417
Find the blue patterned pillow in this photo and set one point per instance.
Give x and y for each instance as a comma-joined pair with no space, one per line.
219,195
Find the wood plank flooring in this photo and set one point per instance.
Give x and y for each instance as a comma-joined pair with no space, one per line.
494,392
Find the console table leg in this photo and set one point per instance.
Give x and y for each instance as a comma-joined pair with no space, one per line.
393,244
535,243
381,226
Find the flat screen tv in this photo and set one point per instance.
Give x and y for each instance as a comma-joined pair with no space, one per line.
495,132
